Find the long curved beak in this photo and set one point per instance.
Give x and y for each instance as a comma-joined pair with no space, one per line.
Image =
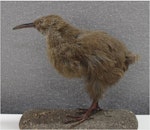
26,25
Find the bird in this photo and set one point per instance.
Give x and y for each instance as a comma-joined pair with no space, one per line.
98,58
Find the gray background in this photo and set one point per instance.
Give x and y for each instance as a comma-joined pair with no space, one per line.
29,81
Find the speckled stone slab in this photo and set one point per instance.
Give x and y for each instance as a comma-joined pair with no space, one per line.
53,119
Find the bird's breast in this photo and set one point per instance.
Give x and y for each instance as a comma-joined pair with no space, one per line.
64,63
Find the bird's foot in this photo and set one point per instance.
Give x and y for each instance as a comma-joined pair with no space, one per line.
85,114
78,119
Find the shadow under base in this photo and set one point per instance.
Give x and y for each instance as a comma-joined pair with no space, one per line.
54,119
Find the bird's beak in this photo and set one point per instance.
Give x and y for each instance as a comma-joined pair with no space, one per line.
27,25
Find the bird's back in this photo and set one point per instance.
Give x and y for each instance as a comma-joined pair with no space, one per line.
107,57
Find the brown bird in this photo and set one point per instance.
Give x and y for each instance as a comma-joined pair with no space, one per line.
95,56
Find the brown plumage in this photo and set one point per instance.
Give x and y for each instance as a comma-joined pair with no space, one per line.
93,55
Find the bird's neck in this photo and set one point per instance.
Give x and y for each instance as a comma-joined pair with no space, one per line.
67,34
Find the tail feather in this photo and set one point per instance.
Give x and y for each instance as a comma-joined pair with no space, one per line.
131,58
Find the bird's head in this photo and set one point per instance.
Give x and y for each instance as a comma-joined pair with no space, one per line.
45,24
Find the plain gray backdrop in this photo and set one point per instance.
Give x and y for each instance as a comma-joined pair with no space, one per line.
29,81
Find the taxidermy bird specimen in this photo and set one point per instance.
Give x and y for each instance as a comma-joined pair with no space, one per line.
95,56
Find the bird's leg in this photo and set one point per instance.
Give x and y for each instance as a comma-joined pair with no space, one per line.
87,113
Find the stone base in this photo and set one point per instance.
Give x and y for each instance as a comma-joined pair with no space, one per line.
53,119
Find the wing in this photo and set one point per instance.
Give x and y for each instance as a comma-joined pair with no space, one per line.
100,51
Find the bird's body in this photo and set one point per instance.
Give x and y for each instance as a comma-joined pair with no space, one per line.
95,56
